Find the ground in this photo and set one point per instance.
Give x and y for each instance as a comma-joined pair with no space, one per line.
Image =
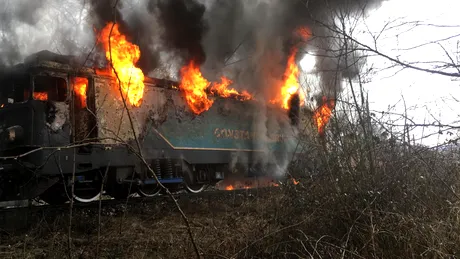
291,221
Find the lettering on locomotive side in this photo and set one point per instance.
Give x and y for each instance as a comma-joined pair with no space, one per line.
235,134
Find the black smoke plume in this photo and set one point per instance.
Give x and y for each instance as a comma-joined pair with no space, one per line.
251,40
136,26
106,11
247,40
183,27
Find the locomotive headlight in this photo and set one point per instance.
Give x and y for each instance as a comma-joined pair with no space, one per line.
14,133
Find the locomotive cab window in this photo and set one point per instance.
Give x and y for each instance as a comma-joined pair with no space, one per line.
6,91
80,86
48,88
15,89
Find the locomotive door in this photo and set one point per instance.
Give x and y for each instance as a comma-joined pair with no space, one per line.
83,118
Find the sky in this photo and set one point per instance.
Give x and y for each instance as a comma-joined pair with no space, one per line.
428,97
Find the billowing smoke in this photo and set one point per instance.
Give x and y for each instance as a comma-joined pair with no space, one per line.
248,41
12,15
251,40
27,27
134,22
184,27
170,28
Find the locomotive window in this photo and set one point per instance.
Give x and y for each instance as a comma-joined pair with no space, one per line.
50,88
21,89
16,88
6,90
80,88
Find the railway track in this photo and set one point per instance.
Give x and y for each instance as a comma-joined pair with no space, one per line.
21,218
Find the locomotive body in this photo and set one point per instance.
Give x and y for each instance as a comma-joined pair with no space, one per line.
51,131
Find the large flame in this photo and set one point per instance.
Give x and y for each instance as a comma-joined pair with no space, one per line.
323,114
222,89
80,86
290,84
194,86
196,89
123,56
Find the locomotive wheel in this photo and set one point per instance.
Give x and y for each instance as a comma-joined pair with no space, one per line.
86,195
195,188
191,186
149,190
87,191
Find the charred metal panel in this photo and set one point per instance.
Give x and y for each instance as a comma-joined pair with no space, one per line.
19,116
228,125
112,119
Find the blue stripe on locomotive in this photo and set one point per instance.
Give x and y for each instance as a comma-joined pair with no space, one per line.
222,129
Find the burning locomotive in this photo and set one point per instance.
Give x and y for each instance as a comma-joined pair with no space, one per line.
63,126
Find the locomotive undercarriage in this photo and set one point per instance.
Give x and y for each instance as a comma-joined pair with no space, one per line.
115,173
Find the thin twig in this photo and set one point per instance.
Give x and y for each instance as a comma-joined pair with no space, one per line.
100,210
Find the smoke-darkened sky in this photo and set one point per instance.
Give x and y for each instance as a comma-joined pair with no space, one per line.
246,40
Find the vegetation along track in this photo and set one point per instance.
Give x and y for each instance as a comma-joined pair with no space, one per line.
20,218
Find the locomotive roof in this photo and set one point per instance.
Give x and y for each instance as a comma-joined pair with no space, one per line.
48,60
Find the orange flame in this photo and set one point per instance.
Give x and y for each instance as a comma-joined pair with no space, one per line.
303,32
323,114
222,89
41,96
80,86
249,185
194,86
123,56
295,182
241,182
291,83
274,184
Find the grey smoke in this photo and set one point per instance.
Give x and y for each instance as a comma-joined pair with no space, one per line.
134,21
27,27
261,32
247,40
250,42
12,14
